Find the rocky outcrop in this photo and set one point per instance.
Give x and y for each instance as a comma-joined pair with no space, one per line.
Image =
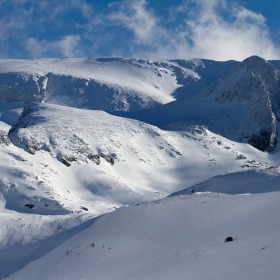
20,86
65,145
254,85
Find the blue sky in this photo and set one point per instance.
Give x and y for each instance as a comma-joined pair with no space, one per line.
154,29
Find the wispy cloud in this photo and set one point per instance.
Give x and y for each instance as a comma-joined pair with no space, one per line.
31,28
134,16
66,46
214,29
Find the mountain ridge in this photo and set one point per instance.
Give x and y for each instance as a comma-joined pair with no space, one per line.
242,106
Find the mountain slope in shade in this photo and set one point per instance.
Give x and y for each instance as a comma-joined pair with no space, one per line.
242,106
249,181
110,84
175,238
26,237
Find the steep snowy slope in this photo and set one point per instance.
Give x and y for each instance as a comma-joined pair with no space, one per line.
176,238
110,84
242,106
99,160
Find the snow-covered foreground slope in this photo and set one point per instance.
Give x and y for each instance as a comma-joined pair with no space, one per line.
112,161
175,238
110,84
26,237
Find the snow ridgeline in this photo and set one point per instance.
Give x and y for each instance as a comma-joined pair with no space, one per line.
109,84
66,133
242,106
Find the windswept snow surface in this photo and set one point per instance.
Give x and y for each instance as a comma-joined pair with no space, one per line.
112,161
110,84
106,161
245,182
175,238
64,166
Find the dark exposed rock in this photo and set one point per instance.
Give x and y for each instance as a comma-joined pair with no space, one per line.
263,141
4,139
70,158
94,158
240,157
22,121
229,239
108,157
66,162
31,151
29,205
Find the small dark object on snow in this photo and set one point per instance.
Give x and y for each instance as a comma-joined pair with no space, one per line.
193,190
93,245
66,162
84,208
46,204
229,239
29,205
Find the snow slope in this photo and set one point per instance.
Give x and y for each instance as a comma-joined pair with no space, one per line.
68,158
242,106
245,182
112,161
175,238
110,84
62,167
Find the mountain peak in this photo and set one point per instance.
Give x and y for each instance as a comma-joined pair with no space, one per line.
253,61
255,86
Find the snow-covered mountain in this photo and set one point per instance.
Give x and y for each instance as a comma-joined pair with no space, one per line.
80,138
110,84
93,159
242,106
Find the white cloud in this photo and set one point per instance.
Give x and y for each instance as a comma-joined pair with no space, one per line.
67,46
31,28
213,29
206,32
134,16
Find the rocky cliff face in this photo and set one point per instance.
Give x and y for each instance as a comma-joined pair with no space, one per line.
242,106
20,86
255,86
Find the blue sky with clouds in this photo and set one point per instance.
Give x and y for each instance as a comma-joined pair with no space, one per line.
154,29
